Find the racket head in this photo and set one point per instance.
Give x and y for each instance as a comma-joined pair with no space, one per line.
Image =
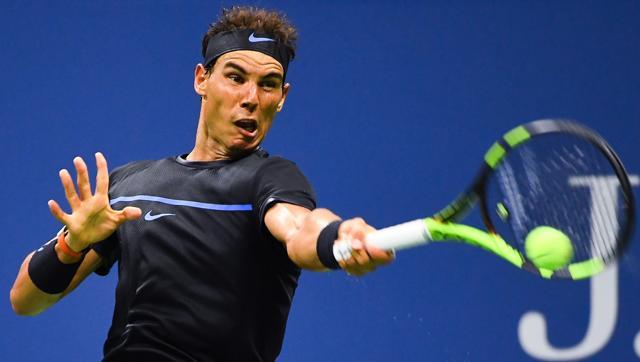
555,173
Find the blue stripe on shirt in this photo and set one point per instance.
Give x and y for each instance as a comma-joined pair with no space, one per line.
196,204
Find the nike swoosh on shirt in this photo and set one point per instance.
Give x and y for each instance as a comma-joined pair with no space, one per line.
254,39
150,217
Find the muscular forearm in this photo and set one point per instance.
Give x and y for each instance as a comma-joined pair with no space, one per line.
299,229
301,240
28,299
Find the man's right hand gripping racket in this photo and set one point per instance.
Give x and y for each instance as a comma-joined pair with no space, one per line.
554,198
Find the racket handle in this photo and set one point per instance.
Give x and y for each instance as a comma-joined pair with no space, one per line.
392,238
401,236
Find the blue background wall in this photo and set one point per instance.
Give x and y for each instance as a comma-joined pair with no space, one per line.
391,108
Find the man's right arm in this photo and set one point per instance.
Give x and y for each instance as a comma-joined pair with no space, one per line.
28,299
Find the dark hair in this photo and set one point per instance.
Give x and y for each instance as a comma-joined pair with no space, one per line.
268,22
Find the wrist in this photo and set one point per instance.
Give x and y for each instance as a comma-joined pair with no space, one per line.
50,269
324,245
73,243
65,252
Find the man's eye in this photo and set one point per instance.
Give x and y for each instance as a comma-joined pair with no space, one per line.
269,84
236,78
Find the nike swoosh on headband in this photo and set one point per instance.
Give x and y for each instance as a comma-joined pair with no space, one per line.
150,217
254,39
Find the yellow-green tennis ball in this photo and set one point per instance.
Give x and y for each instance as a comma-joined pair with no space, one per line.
548,248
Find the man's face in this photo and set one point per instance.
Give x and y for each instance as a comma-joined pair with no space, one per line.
241,97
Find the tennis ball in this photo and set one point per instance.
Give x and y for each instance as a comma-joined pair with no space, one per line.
548,248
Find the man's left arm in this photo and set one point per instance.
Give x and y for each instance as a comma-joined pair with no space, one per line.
299,228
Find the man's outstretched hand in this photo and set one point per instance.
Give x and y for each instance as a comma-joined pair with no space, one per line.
92,219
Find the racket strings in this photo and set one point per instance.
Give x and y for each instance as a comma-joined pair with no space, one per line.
605,205
562,181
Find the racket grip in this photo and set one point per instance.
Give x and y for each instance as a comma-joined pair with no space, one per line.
401,236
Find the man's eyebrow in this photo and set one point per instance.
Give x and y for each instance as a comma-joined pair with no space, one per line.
236,67
243,71
274,75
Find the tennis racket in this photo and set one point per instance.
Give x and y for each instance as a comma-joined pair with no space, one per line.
550,172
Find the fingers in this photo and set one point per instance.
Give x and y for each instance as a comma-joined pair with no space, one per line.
381,256
57,212
360,258
82,178
357,263
75,198
359,254
69,189
102,176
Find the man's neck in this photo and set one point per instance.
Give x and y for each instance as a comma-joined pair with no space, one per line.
205,149
201,155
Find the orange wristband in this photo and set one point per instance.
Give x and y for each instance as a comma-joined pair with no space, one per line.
64,247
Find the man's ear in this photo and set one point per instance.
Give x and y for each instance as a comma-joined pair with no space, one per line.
285,91
199,80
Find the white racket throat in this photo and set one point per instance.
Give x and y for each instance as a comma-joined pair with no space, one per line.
397,237
401,236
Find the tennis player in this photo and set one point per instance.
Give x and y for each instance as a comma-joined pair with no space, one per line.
210,243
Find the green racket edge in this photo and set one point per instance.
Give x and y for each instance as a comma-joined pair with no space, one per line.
494,243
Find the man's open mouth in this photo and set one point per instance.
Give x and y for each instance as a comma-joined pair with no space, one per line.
248,125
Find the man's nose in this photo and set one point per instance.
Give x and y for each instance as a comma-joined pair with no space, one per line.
250,100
